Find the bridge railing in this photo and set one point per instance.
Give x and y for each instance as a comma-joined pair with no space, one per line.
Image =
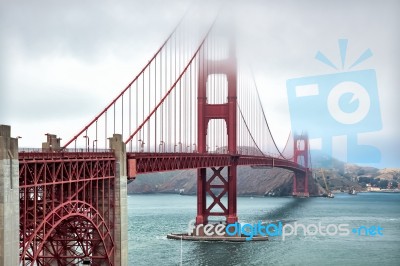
81,150
37,153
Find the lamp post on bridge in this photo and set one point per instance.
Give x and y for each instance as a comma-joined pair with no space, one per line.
162,146
141,144
195,148
87,142
18,137
95,141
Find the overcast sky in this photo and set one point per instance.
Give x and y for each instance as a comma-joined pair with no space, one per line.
61,62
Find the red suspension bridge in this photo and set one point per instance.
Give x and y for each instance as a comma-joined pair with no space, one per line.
190,107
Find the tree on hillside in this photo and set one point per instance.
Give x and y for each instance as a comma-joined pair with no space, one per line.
383,183
375,181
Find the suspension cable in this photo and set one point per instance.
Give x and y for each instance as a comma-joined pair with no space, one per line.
265,118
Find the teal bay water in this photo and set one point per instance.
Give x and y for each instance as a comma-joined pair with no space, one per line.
152,217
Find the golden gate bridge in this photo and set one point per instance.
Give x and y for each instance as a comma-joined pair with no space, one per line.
191,107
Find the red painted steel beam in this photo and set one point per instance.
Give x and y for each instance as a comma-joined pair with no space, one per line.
162,162
216,111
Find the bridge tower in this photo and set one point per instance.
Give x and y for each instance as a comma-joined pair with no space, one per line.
225,185
301,156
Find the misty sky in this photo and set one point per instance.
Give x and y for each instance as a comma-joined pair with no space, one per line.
61,62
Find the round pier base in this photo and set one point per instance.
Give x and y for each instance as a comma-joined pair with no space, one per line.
185,236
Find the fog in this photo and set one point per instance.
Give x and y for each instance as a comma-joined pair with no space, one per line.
61,63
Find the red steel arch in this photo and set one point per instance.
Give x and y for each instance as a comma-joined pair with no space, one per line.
87,234
67,208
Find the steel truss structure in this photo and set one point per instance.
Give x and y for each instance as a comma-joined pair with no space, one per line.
66,208
139,163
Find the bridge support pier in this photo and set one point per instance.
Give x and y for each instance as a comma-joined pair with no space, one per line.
301,156
9,198
121,205
300,185
217,187
52,143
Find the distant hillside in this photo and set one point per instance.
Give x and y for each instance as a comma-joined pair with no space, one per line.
272,181
263,182
342,176
336,179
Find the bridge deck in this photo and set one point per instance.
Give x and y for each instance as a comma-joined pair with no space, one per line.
139,163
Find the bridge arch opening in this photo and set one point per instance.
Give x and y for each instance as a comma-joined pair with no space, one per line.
80,233
301,144
217,136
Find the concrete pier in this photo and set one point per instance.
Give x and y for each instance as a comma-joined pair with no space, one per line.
52,143
9,198
121,204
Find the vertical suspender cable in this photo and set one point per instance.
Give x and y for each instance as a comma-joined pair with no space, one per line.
174,104
149,123
96,137
162,108
130,116
142,138
105,128
114,116
155,103
122,114
137,114
180,94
